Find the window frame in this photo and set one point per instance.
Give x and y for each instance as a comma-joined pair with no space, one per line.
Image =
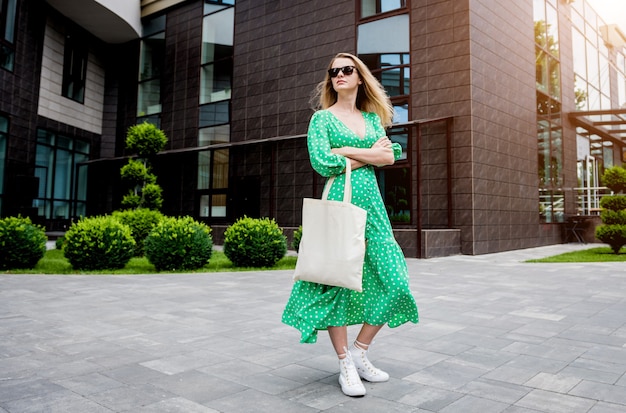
74,84
403,9
8,10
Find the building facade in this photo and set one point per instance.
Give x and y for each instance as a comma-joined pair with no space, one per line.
508,112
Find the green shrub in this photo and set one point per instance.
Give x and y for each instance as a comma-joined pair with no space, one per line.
179,244
613,202
615,179
297,237
58,244
254,242
141,221
614,235
22,243
98,243
611,217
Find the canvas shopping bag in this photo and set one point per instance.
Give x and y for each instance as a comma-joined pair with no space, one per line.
332,247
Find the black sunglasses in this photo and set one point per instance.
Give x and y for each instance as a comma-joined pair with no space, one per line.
347,70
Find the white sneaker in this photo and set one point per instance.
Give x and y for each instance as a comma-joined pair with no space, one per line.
365,368
349,380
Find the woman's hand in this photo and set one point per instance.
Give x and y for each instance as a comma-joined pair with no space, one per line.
383,142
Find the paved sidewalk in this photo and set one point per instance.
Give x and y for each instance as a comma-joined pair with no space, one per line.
496,335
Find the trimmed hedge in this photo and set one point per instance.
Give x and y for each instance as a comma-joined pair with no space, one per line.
254,242
22,243
97,243
177,244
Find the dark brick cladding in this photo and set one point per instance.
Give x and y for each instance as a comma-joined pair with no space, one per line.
281,52
468,64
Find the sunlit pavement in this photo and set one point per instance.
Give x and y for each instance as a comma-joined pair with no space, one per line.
496,335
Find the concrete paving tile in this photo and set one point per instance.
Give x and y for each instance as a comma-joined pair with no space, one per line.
592,375
130,398
602,407
547,350
369,404
394,389
174,364
482,358
416,357
317,395
600,391
269,383
472,404
89,384
133,374
495,390
517,409
550,402
446,375
300,374
62,401
233,369
559,383
175,405
606,353
253,401
17,389
197,386
430,398
599,365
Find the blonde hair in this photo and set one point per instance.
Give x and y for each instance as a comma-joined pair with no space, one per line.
371,96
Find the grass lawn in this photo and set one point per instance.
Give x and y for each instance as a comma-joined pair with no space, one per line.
598,254
54,262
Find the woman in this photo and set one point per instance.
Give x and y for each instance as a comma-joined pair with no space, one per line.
349,128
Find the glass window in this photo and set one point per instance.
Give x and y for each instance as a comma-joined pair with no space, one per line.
216,73
4,130
74,68
7,31
386,35
373,7
151,62
217,53
215,81
549,132
214,114
395,184
213,181
552,28
213,135
62,192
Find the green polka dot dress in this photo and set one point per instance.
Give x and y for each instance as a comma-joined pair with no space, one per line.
386,297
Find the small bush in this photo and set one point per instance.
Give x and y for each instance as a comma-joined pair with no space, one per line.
141,221
611,217
98,243
613,202
58,244
614,235
615,179
297,237
254,242
179,244
22,243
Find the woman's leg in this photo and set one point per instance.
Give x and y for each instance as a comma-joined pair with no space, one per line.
349,380
367,334
358,352
339,339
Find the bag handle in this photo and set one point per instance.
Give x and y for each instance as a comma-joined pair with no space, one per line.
347,188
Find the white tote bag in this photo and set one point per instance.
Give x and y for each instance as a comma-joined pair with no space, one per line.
332,247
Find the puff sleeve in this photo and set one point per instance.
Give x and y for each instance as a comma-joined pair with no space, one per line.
322,159
380,132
